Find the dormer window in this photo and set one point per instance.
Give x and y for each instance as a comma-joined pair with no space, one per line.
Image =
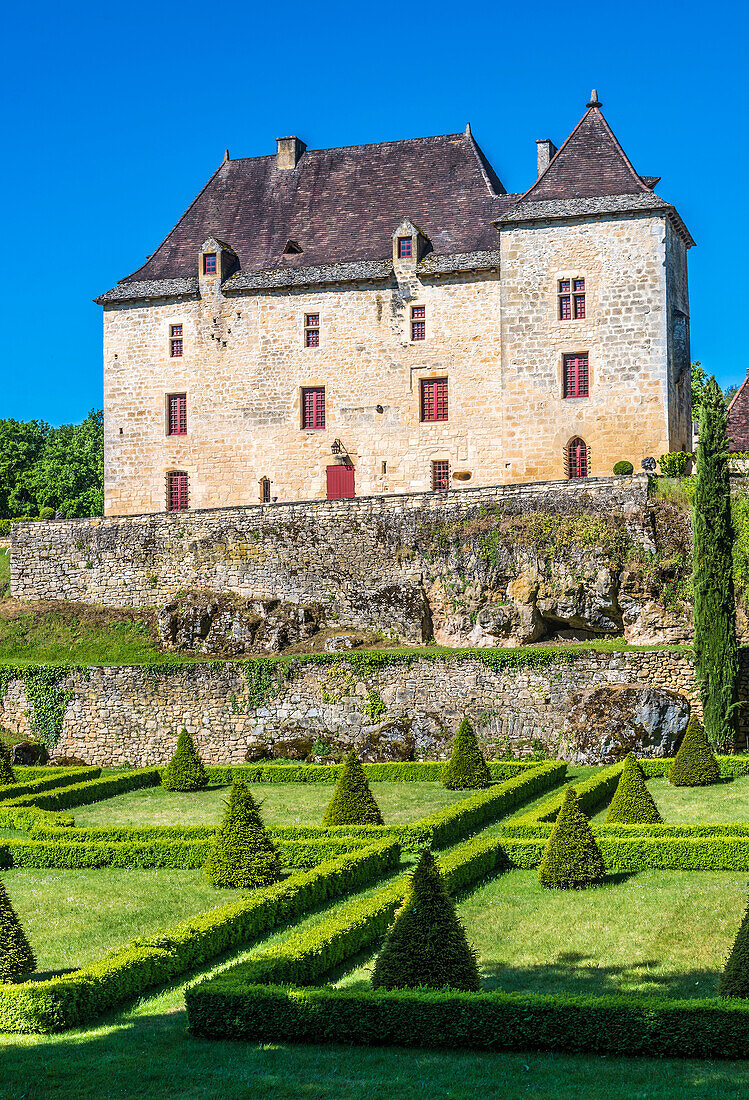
405,248
209,263
293,248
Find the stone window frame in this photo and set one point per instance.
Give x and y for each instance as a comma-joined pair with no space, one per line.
308,386
311,330
210,263
567,468
176,336
424,384
405,248
168,476
438,467
264,488
571,277
560,374
417,322
167,417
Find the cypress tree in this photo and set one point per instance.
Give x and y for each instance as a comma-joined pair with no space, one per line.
734,981
427,945
715,650
632,803
466,767
571,859
7,775
242,854
185,771
16,956
694,764
353,802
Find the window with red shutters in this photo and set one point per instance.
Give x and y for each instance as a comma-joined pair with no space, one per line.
313,407
175,341
177,414
441,475
577,458
579,299
418,322
176,491
565,303
434,399
405,248
575,376
312,330
209,263
571,299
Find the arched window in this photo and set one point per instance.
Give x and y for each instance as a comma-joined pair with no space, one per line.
577,458
264,490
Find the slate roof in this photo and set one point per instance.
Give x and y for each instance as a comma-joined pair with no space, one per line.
737,427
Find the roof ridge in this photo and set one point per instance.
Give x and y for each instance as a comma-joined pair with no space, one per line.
363,145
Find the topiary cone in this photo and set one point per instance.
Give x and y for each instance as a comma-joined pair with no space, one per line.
694,764
632,803
16,956
7,775
185,771
427,945
242,854
353,802
571,859
466,768
734,981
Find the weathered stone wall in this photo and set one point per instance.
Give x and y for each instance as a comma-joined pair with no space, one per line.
369,561
389,711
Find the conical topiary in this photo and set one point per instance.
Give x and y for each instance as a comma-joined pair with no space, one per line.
185,771
16,956
242,854
734,981
694,764
466,768
353,802
427,945
571,859
632,803
7,774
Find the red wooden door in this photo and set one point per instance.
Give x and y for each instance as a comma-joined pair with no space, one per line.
340,482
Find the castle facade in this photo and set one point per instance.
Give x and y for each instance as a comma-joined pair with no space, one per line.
387,319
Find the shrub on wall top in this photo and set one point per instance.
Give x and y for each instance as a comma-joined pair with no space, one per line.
16,956
632,803
624,468
571,859
7,775
242,854
694,764
353,802
185,771
466,767
427,945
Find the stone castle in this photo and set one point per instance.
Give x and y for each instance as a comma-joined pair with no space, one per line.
387,319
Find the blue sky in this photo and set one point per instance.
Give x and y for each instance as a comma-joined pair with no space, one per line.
114,115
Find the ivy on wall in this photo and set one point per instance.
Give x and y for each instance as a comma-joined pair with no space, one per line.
48,697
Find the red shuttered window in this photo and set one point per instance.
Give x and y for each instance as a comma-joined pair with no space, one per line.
441,475
418,323
571,299
579,299
209,263
176,491
577,458
575,376
312,330
405,248
313,407
565,305
175,341
177,414
434,399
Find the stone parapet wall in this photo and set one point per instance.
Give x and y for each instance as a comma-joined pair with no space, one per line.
388,709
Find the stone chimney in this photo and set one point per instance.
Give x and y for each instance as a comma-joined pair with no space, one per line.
288,152
545,150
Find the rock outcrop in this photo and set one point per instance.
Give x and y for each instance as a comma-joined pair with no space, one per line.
603,724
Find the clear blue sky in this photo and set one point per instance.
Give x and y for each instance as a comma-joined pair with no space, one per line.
114,115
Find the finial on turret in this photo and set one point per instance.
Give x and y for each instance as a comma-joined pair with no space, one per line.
594,100
468,127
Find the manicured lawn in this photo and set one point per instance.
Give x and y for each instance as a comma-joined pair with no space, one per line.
281,804
73,917
655,932
720,802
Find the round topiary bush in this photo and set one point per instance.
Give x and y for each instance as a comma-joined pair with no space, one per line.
242,854
46,513
734,981
571,859
427,945
632,803
185,771
7,775
353,802
694,764
624,468
466,768
16,956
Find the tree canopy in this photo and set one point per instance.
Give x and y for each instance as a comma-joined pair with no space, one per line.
45,467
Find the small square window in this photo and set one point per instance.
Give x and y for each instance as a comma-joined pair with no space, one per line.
313,407
405,248
440,476
312,330
418,323
175,341
177,414
209,263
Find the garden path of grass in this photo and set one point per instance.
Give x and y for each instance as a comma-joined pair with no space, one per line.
281,804
655,932
720,802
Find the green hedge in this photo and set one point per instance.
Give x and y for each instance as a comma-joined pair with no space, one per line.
127,972
619,1025
409,772
14,791
698,853
82,794
591,794
730,766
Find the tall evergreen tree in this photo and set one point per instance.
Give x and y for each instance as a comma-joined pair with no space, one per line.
185,771
7,775
242,854
16,956
466,767
734,981
632,803
353,802
715,650
572,860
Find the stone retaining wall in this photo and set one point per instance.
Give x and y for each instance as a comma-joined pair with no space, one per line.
134,714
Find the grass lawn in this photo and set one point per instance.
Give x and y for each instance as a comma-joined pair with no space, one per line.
720,802
627,936
281,804
73,917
